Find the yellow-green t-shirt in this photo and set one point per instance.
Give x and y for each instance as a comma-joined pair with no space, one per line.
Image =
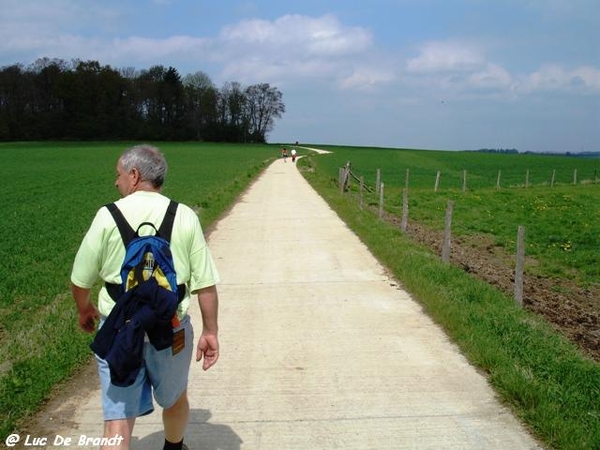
102,251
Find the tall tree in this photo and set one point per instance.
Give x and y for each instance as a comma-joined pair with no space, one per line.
232,111
96,102
263,105
15,89
172,95
201,106
48,121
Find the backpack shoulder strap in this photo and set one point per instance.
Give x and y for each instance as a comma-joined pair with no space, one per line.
127,233
165,231
166,227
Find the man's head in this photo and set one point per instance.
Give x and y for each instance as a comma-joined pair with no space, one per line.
142,167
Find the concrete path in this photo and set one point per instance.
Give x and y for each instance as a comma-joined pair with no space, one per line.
320,349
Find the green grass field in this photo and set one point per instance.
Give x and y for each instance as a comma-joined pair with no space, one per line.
52,193
562,222
482,168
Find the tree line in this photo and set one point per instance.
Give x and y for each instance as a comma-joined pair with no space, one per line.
499,150
55,99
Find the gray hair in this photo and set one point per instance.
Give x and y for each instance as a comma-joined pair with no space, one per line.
149,161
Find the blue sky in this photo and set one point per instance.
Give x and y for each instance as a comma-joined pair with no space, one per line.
434,74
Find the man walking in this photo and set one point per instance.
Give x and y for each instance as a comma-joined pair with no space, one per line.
141,172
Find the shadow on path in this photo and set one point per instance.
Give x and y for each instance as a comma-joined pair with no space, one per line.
200,435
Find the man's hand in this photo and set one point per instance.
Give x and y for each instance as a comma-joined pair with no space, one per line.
208,344
208,347
88,318
88,314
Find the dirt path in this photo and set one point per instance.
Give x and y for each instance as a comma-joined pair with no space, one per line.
320,349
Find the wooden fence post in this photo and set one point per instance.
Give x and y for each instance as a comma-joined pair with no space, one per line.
553,178
378,181
362,185
574,176
520,265
404,223
447,232
381,201
406,180
498,179
437,181
344,176
464,187
527,178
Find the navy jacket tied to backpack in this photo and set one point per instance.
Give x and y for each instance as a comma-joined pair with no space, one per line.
145,309
145,302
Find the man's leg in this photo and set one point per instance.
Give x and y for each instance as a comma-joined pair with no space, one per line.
121,406
175,419
169,374
123,428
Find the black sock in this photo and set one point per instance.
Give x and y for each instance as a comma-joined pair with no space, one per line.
172,446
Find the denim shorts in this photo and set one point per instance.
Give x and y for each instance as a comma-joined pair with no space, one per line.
163,374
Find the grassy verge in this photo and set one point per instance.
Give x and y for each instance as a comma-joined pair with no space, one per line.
545,380
54,191
562,222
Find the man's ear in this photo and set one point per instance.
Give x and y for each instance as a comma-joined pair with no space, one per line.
135,176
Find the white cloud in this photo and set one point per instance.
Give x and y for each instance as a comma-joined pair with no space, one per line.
492,77
554,77
461,68
446,56
300,35
295,47
35,29
366,78
149,49
589,75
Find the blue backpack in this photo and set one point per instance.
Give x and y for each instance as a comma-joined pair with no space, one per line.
145,302
145,256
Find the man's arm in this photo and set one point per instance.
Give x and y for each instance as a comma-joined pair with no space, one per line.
88,314
208,344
